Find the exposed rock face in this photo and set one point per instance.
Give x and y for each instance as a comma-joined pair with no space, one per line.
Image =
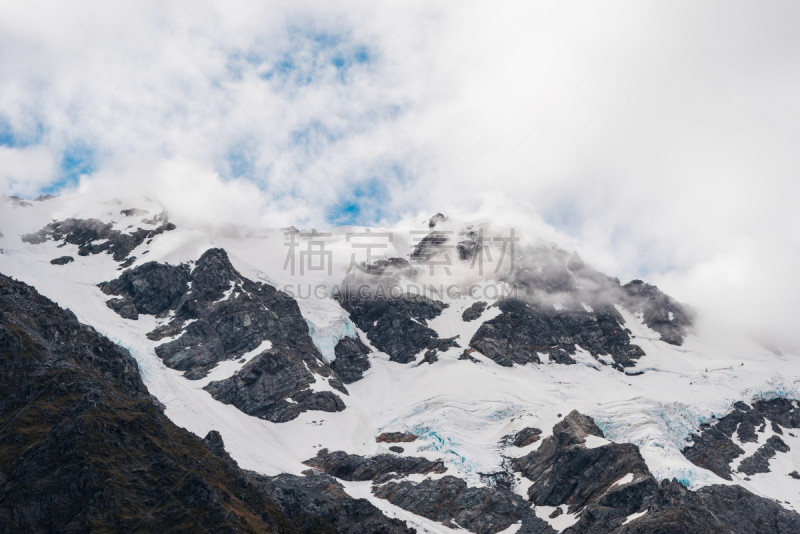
609,483
150,289
565,471
660,312
437,346
522,330
474,311
63,260
220,315
395,437
713,448
448,500
317,503
442,247
314,502
436,219
94,236
430,247
274,386
133,212
559,304
713,509
352,359
396,326
15,201
759,461
85,448
526,436
470,243
548,273
354,467
605,485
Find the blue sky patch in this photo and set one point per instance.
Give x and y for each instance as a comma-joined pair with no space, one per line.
77,160
364,207
314,56
564,215
240,162
12,139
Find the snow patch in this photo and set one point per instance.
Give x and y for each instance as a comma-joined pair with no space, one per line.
592,442
559,523
627,479
634,517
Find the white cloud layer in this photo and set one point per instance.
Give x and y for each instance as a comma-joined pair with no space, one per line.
656,138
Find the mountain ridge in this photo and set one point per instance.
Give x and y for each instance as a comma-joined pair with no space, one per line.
233,352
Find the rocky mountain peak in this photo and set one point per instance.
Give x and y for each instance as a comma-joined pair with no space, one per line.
213,273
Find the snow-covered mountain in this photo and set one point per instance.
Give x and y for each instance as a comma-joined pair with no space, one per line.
456,375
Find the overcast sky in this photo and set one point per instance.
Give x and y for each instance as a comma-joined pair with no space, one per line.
658,139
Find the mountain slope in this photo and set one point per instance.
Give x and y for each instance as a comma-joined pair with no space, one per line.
237,343
83,446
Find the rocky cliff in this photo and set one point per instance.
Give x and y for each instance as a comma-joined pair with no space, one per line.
84,448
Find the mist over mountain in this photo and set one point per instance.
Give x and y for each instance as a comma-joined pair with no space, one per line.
394,267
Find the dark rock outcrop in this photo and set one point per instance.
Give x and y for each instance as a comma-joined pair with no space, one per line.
565,471
93,236
470,244
317,503
433,246
557,304
396,326
607,484
15,201
352,359
353,467
63,260
526,436
396,437
660,312
547,273
84,448
437,346
474,311
150,289
715,509
759,461
713,449
604,485
274,386
448,500
523,330
437,249
218,315
133,212
436,219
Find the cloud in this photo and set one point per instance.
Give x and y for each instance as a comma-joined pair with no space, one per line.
657,139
